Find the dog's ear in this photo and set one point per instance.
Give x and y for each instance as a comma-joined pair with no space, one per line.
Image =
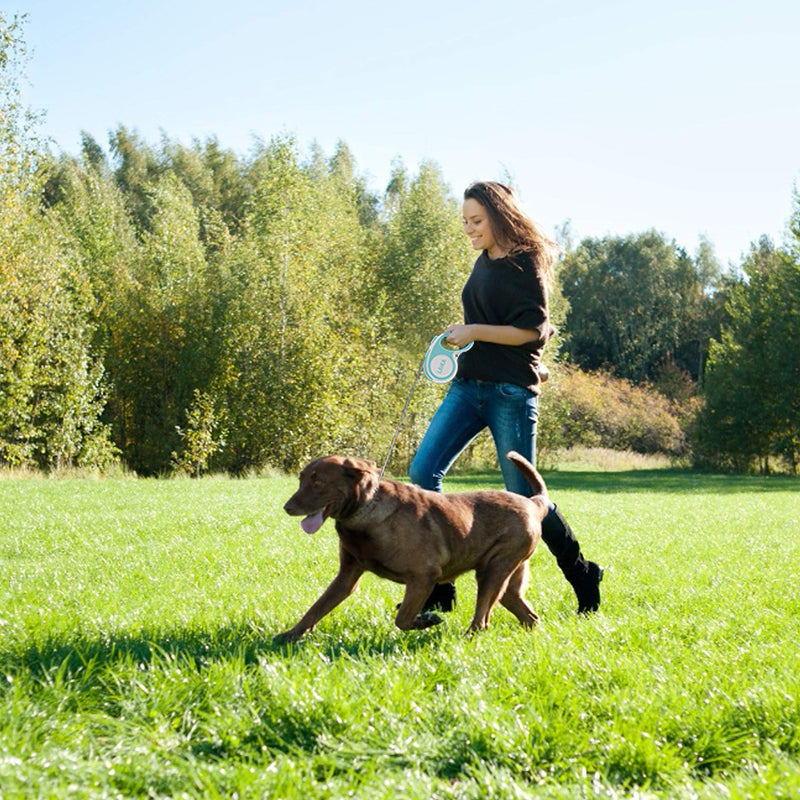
352,472
364,477
358,467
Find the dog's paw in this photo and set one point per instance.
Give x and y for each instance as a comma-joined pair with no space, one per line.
287,637
426,620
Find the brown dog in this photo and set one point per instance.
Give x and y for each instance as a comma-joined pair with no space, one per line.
418,537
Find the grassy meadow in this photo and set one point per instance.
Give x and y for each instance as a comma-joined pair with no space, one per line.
136,619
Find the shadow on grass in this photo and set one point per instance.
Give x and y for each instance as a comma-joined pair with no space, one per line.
193,686
647,480
75,653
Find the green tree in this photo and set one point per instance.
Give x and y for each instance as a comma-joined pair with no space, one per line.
629,301
294,326
752,386
136,170
52,392
89,212
20,147
426,258
167,343
219,185
344,174
51,384
793,227
202,437
703,314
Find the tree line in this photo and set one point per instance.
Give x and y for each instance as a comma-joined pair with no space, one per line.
188,308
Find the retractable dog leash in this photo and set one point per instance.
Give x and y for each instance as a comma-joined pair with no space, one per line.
440,362
440,366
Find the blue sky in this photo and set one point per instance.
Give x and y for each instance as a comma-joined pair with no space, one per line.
617,115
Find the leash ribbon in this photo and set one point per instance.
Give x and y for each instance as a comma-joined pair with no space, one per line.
439,365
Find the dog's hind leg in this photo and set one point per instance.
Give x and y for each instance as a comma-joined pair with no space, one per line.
513,600
492,581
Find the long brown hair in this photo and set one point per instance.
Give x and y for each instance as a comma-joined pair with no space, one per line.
512,228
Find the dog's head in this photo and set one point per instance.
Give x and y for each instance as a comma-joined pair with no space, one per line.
332,486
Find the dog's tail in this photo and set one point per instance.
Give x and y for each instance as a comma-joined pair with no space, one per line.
530,472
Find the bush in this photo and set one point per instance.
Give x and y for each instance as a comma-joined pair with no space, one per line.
597,411
582,409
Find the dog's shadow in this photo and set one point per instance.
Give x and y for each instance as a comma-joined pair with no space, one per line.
384,644
75,652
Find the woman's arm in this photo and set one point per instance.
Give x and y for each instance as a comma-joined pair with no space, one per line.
462,335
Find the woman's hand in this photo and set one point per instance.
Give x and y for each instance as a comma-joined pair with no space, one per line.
460,335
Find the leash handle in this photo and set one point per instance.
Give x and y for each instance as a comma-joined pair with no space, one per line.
441,362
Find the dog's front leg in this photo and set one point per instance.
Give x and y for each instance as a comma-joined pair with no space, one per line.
408,617
341,587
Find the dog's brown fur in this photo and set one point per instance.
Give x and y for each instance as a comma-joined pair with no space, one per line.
420,538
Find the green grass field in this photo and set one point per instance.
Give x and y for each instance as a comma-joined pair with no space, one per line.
136,619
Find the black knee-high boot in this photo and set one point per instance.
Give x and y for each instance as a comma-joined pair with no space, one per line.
442,598
583,575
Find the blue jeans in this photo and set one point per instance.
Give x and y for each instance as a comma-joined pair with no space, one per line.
509,411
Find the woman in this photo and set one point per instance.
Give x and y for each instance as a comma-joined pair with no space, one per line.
499,378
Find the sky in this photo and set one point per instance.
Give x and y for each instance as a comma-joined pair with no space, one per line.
616,116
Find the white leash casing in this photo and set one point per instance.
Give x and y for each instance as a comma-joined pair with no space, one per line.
441,363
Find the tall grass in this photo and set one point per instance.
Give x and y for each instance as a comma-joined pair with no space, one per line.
136,620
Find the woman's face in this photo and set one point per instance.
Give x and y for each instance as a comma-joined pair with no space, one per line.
478,229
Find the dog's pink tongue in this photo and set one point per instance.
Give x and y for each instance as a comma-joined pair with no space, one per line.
312,523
